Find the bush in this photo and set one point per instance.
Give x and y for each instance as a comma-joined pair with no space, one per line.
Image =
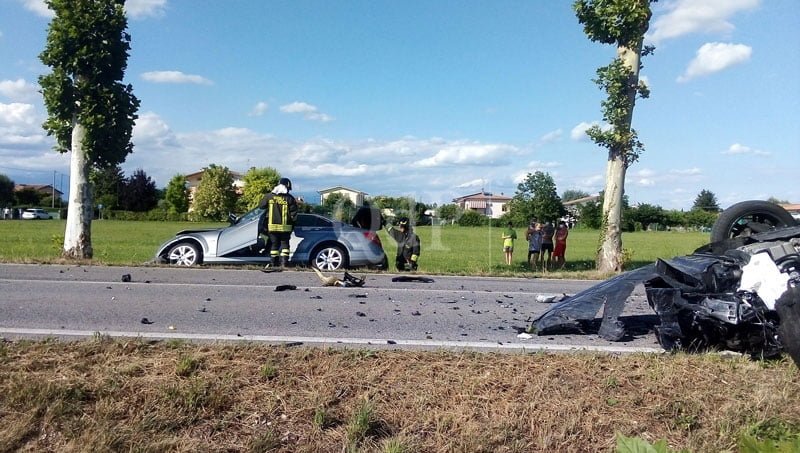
472,218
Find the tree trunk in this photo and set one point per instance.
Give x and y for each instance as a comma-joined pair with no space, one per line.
609,256
78,234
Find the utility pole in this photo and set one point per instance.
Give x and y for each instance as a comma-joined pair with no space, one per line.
53,198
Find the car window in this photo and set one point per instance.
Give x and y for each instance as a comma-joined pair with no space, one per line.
305,220
252,215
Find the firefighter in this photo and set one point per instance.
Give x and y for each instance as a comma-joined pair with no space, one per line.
407,245
281,213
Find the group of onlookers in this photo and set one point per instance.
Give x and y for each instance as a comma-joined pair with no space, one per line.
547,245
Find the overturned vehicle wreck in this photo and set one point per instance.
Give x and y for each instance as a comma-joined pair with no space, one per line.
741,293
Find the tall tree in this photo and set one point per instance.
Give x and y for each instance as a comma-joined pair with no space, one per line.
139,193
536,197
215,197
176,195
90,111
706,201
6,191
622,23
257,182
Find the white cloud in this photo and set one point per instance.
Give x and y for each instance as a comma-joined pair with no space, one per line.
259,109
17,114
309,112
714,57
578,133
468,154
551,136
739,149
18,90
476,183
139,9
174,77
39,7
683,17
151,130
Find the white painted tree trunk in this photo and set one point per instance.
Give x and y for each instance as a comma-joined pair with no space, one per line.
609,256
78,234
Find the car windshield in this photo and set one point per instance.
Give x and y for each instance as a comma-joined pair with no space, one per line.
251,215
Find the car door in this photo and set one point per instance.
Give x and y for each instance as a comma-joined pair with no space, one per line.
243,233
309,230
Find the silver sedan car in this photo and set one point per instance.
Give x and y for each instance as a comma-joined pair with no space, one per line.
316,241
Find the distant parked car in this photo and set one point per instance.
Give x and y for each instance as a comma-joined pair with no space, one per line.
36,214
316,241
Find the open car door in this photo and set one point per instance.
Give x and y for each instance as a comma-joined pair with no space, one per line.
243,233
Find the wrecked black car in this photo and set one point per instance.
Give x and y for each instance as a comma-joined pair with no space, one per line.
741,293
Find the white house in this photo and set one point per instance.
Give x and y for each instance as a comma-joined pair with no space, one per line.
484,203
356,196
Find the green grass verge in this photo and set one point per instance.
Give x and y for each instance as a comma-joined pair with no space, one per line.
445,250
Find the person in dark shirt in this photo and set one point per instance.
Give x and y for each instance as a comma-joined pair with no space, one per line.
281,213
408,245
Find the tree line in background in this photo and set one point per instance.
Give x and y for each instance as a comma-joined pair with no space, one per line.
136,197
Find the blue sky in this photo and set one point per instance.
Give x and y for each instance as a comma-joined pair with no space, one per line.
433,99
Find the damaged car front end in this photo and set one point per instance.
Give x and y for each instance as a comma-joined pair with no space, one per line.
741,294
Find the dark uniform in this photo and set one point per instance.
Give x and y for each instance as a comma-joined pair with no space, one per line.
281,213
407,245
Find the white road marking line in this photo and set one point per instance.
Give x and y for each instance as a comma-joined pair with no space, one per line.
532,347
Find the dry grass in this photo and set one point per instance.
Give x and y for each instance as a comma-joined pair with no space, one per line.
106,395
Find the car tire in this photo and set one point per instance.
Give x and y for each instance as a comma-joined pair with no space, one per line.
329,258
749,217
185,254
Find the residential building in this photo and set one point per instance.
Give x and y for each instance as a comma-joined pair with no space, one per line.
193,181
485,203
45,190
356,196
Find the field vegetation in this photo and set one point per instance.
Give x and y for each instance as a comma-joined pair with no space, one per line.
115,395
448,249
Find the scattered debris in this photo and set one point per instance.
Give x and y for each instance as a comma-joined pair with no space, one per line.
416,313
358,296
171,327
285,288
413,278
361,314
146,321
545,299
524,336
126,278
347,281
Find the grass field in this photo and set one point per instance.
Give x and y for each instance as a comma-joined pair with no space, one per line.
107,395
445,250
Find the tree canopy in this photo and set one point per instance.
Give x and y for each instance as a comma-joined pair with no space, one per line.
6,191
536,197
706,201
139,193
257,182
215,196
176,195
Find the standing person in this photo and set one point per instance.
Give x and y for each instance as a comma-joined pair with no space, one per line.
561,245
534,237
508,242
547,244
408,245
281,213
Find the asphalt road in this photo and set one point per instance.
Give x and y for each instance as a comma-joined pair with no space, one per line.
243,305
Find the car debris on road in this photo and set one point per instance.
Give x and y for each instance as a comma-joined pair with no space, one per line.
740,294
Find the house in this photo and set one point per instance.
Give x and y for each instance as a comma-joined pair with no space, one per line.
484,203
193,181
356,196
793,209
45,190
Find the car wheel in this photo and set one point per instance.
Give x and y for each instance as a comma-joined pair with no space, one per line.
749,217
329,258
184,254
